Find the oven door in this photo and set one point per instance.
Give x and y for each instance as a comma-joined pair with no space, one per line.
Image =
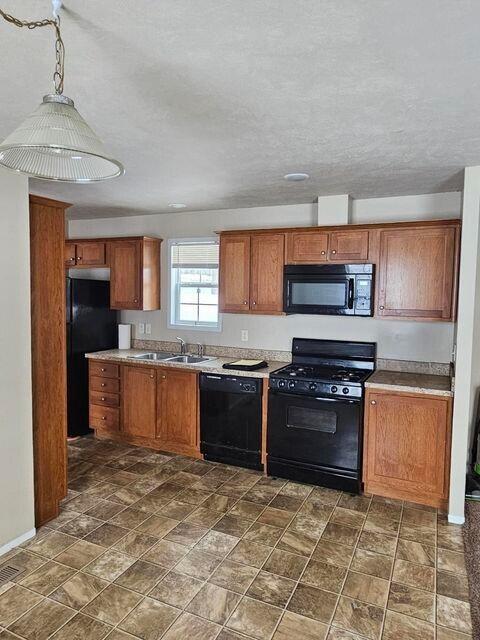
324,432
322,294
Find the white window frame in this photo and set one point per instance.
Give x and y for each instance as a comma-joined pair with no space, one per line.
171,290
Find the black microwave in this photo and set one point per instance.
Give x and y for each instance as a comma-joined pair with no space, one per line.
329,289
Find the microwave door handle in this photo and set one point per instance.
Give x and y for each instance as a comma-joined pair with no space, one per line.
350,293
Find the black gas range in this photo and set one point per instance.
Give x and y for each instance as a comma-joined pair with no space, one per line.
315,413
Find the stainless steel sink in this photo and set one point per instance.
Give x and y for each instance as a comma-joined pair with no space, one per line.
171,357
190,359
156,355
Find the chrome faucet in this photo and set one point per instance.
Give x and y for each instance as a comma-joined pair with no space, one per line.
183,346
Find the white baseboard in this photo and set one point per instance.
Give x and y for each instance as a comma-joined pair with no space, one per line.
456,519
14,543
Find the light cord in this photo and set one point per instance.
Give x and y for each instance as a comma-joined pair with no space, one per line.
58,76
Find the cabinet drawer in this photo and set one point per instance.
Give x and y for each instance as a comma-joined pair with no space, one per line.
104,369
104,417
110,385
104,399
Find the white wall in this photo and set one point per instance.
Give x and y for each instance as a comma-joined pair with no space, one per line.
16,453
467,381
396,339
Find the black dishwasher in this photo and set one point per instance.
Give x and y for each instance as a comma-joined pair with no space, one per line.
231,419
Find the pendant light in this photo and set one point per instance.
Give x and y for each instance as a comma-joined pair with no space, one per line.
55,142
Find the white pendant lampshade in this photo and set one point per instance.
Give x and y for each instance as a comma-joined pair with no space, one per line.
55,143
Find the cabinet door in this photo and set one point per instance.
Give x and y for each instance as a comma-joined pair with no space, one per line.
234,274
91,254
417,273
139,401
177,416
407,444
70,254
266,290
126,274
348,246
307,247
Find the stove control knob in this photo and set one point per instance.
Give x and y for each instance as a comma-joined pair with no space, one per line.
281,383
291,384
334,389
246,387
345,390
312,386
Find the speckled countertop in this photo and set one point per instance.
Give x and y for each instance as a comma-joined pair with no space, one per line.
214,365
410,382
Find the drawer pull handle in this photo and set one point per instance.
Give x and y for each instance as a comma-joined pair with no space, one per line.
373,402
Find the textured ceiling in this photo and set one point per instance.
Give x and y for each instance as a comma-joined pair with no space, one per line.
211,102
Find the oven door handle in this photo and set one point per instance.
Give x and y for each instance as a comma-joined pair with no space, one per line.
343,400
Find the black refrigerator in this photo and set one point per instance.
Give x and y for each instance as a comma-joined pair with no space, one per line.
91,326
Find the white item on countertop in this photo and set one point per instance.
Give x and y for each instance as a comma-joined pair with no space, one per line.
124,336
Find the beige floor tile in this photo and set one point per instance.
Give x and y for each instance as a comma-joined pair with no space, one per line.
416,552
354,502
255,619
372,564
186,534
247,510
313,603
51,544
217,543
316,510
296,542
366,588
110,565
348,517
233,576
214,603
135,544
198,564
42,621
150,619
263,534
79,590
452,585
414,575
392,511
378,524
401,627
424,535
307,525
283,563
449,634
334,633
203,517
80,526
166,554
130,518
79,554
232,525
271,588
419,518
454,614
176,589
157,526
177,510
112,604
217,502
324,575
378,542
141,576
106,535
47,578
451,561
294,626
14,602
341,534
332,553
411,602
193,628
275,517
82,627
287,503
358,617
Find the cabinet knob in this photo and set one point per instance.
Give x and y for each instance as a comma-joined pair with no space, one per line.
103,399
373,402
151,375
245,302
78,258
323,253
104,417
334,251
72,259
164,377
254,303
102,369
381,307
103,384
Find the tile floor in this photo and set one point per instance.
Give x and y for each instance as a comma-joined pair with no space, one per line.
157,546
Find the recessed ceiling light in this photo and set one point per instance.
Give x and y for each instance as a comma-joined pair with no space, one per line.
177,205
296,177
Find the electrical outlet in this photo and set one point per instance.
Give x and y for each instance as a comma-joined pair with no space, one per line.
141,327
148,328
244,335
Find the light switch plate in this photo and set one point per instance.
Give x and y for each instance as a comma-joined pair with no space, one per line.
244,335
141,327
148,328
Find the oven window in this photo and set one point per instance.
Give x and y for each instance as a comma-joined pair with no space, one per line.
313,419
324,294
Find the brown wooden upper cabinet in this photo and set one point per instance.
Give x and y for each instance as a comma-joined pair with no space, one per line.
139,401
417,272
407,446
251,273
85,254
135,273
315,247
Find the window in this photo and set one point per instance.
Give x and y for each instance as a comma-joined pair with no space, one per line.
194,283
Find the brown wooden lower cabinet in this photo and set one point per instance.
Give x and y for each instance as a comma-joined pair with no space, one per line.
150,406
407,446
